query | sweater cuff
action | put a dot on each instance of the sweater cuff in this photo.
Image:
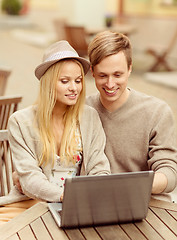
(171, 178)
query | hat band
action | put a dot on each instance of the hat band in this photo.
(61, 55)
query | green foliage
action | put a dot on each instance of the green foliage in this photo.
(11, 7)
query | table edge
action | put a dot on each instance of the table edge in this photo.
(25, 218)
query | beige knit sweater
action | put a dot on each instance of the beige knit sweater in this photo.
(26, 149)
(140, 136)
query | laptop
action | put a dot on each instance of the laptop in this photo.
(105, 199)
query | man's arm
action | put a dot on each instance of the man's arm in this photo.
(163, 150)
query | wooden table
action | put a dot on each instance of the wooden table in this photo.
(37, 223)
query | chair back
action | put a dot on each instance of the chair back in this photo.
(6, 165)
(8, 105)
(76, 36)
(4, 74)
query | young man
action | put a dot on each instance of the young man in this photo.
(140, 129)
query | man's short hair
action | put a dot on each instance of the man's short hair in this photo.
(108, 43)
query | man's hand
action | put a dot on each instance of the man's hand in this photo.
(160, 183)
(16, 181)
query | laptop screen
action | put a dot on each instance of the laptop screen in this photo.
(108, 199)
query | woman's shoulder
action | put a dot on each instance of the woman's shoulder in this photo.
(90, 115)
(23, 120)
(23, 114)
(88, 110)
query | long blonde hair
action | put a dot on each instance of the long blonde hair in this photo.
(45, 105)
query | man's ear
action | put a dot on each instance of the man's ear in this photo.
(130, 69)
(92, 71)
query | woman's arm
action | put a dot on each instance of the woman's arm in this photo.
(25, 146)
(94, 140)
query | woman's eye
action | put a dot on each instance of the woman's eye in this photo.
(78, 80)
(64, 81)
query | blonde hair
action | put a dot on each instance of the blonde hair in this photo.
(45, 105)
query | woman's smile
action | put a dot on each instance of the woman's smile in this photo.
(72, 96)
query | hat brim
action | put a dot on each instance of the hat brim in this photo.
(43, 67)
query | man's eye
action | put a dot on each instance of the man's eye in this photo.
(102, 76)
(117, 75)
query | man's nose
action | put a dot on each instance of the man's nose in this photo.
(110, 82)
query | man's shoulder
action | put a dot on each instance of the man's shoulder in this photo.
(143, 98)
(150, 104)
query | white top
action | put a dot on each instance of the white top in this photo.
(60, 171)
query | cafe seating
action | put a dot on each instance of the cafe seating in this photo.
(161, 58)
(4, 74)
(8, 105)
(6, 165)
(77, 37)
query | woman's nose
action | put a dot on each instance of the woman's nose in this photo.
(72, 86)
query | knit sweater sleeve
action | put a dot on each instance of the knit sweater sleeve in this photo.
(95, 161)
(24, 146)
(162, 145)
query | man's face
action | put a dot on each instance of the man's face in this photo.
(111, 78)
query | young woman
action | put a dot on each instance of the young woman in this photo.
(58, 137)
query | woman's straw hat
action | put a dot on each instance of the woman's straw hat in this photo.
(56, 52)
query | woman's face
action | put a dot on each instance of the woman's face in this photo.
(69, 84)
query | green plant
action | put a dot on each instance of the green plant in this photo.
(11, 7)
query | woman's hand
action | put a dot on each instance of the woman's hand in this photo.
(16, 181)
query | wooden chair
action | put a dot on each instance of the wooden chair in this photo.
(77, 37)
(4, 74)
(8, 105)
(160, 58)
(6, 165)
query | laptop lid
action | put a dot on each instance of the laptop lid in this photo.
(106, 199)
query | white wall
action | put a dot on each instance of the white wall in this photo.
(89, 13)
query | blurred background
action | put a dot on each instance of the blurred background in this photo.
(27, 27)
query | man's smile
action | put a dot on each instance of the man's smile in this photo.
(110, 92)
